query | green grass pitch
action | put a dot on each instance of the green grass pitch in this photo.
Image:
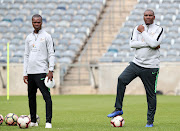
(88, 113)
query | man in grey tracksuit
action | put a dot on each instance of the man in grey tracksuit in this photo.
(39, 60)
(145, 41)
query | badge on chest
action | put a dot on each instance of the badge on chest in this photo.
(34, 48)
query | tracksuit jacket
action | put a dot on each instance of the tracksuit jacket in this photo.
(144, 44)
(39, 48)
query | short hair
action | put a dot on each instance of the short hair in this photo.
(149, 10)
(37, 15)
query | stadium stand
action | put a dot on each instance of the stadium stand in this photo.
(168, 19)
(69, 21)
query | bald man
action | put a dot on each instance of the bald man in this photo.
(145, 41)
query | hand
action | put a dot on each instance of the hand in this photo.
(50, 75)
(157, 47)
(140, 28)
(25, 78)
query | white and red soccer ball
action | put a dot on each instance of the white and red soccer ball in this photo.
(11, 119)
(1, 119)
(117, 121)
(23, 121)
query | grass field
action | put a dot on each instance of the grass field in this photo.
(88, 112)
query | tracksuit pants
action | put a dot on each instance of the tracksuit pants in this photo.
(149, 78)
(36, 81)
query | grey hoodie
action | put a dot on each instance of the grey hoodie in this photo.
(39, 53)
(145, 43)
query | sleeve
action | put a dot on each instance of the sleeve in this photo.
(134, 42)
(155, 40)
(26, 57)
(51, 52)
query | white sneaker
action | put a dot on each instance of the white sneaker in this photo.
(48, 125)
(33, 124)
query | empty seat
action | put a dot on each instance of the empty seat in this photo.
(55, 18)
(117, 42)
(113, 48)
(68, 36)
(64, 41)
(58, 54)
(15, 6)
(75, 48)
(72, 30)
(84, 30)
(76, 24)
(141, 6)
(94, 12)
(91, 18)
(66, 17)
(125, 47)
(64, 23)
(85, 6)
(51, 6)
(69, 53)
(168, 17)
(60, 30)
(55, 36)
(88, 24)
(106, 59)
(81, 36)
(14, 60)
(61, 47)
(172, 53)
(76, 41)
(3, 59)
(82, 12)
(18, 54)
(74, 6)
(31, 1)
(16, 41)
(144, 1)
(71, 12)
(110, 54)
(155, 1)
(62, 6)
(78, 17)
(66, 60)
(98, 6)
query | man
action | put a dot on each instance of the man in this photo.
(146, 41)
(39, 48)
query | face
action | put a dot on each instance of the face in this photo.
(148, 17)
(37, 22)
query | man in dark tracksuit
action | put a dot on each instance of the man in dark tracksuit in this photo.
(146, 41)
(39, 54)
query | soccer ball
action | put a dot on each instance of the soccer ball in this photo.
(49, 83)
(11, 119)
(117, 121)
(37, 118)
(1, 119)
(23, 121)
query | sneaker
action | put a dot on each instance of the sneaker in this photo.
(33, 124)
(116, 112)
(48, 125)
(149, 124)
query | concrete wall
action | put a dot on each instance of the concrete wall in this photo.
(169, 79)
(16, 83)
(106, 79)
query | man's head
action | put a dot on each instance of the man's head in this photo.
(149, 16)
(36, 22)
